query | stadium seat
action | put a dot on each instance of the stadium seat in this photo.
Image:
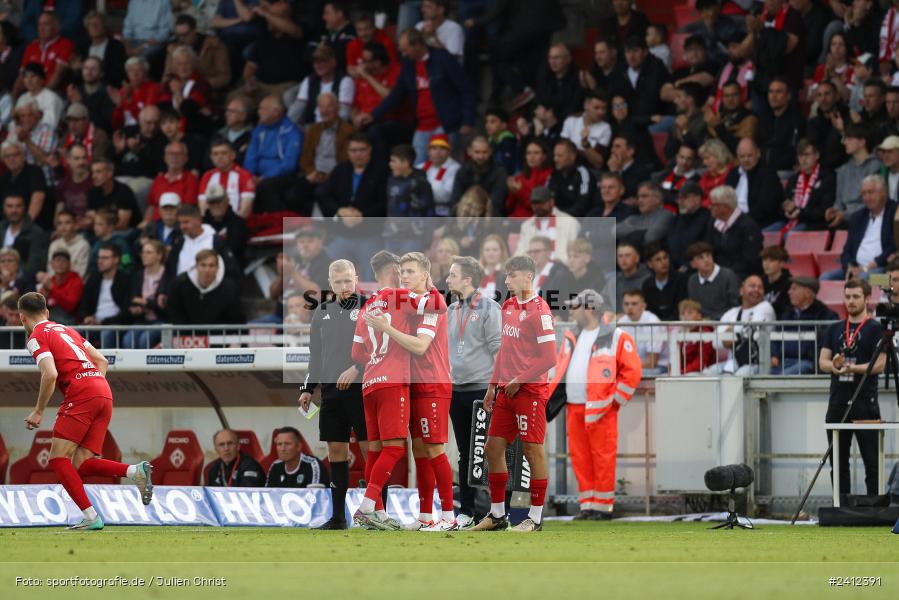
(828, 261)
(249, 444)
(272, 455)
(583, 55)
(839, 240)
(803, 264)
(181, 459)
(812, 242)
(772, 238)
(34, 467)
(831, 292)
(4, 461)
(658, 144)
(684, 14)
(676, 43)
(837, 307)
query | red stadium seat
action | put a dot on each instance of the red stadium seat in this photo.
(831, 292)
(828, 261)
(34, 467)
(684, 14)
(803, 265)
(249, 444)
(839, 240)
(583, 55)
(772, 238)
(181, 459)
(807, 242)
(272, 455)
(837, 307)
(676, 43)
(4, 461)
(658, 144)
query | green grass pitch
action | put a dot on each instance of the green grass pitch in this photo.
(565, 561)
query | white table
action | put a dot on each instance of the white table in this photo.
(882, 428)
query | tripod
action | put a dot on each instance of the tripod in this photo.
(732, 517)
(885, 345)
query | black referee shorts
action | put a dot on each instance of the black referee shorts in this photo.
(339, 414)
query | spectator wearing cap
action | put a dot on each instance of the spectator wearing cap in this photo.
(203, 294)
(147, 28)
(327, 78)
(551, 222)
(195, 237)
(164, 227)
(441, 169)
(212, 55)
(888, 152)
(325, 146)
(228, 225)
(484, 170)
(667, 287)
(136, 93)
(624, 22)
(589, 130)
(558, 82)
(63, 289)
(149, 284)
(435, 84)
(48, 101)
(652, 223)
(689, 225)
(682, 172)
(82, 131)
(110, 194)
(27, 181)
(871, 241)
(38, 137)
(274, 61)
(107, 50)
(67, 238)
(729, 120)
(176, 180)
(274, 154)
(689, 126)
(237, 182)
(780, 127)
(715, 29)
(71, 192)
(734, 235)
(860, 164)
(757, 186)
(535, 173)
(573, 186)
(52, 51)
(502, 141)
(646, 75)
(716, 288)
(799, 357)
(776, 277)
(18, 231)
(810, 192)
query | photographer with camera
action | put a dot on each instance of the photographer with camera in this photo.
(744, 350)
(847, 348)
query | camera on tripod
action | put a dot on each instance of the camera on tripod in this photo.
(887, 309)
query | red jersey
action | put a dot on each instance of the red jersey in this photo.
(133, 101)
(185, 185)
(425, 111)
(527, 347)
(355, 47)
(50, 55)
(367, 98)
(386, 362)
(78, 379)
(431, 371)
(237, 182)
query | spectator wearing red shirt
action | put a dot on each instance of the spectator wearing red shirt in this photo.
(367, 33)
(50, 50)
(695, 356)
(137, 92)
(375, 76)
(63, 289)
(236, 181)
(535, 173)
(176, 179)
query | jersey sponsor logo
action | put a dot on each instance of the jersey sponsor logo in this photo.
(234, 359)
(522, 316)
(374, 380)
(510, 331)
(20, 360)
(88, 374)
(165, 359)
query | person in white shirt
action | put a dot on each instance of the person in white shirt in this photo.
(441, 170)
(744, 350)
(650, 340)
(589, 131)
(67, 238)
(439, 31)
(327, 77)
(48, 101)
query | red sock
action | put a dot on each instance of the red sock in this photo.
(443, 472)
(424, 476)
(380, 472)
(538, 491)
(101, 466)
(68, 477)
(370, 461)
(497, 483)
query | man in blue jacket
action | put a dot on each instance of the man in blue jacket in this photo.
(437, 86)
(274, 154)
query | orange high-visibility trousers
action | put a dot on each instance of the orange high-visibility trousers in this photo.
(593, 448)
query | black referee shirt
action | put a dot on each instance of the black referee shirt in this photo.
(331, 346)
(864, 340)
(308, 471)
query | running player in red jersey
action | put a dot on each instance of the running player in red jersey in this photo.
(431, 393)
(385, 383)
(518, 393)
(68, 361)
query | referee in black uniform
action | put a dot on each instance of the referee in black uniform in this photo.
(331, 366)
(847, 348)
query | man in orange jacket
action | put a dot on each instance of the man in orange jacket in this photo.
(600, 369)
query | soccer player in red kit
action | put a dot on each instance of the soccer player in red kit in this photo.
(431, 394)
(66, 360)
(385, 383)
(518, 393)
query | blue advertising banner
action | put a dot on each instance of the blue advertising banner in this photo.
(121, 505)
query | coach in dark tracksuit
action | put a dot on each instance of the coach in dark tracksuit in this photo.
(331, 367)
(474, 322)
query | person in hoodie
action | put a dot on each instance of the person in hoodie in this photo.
(798, 357)
(203, 295)
(273, 154)
(195, 237)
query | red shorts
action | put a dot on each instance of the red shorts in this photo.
(387, 413)
(430, 416)
(84, 422)
(523, 415)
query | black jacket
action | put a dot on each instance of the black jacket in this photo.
(765, 194)
(777, 138)
(137, 290)
(232, 229)
(218, 304)
(310, 470)
(739, 247)
(827, 138)
(776, 293)
(564, 94)
(491, 177)
(823, 194)
(664, 302)
(369, 198)
(633, 176)
(32, 244)
(686, 229)
(246, 473)
(574, 190)
(643, 100)
(121, 295)
(232, 268)
(331, 346)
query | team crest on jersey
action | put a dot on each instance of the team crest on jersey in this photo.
(354, 314)
(522, 316)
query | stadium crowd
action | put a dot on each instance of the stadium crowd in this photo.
(146, 159)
